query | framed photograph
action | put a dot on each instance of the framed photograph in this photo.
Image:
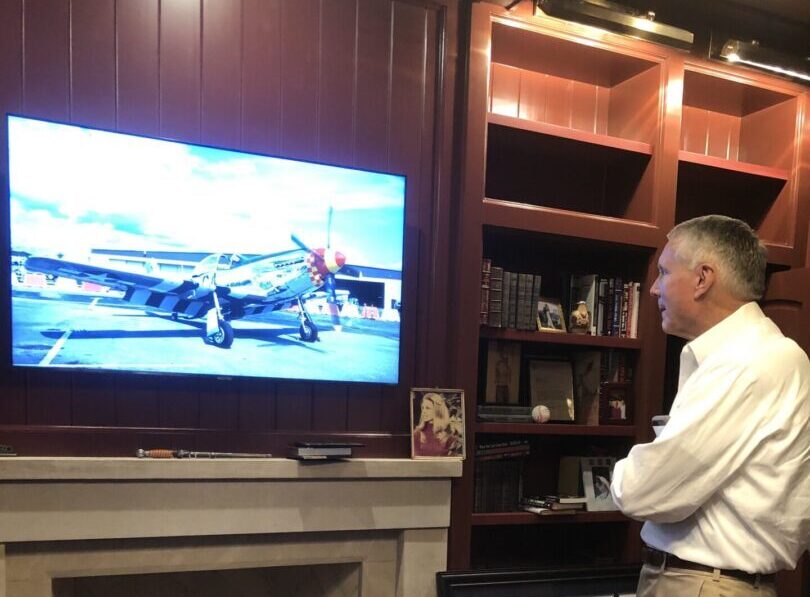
(437, 423)
(503, 372)
(550, 316)
(587, 367)
(615, 404)
(551, 383)
(597, 472)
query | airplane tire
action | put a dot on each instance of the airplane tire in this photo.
(224, 337)
(308, 332)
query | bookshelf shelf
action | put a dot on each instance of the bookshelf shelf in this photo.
(556, 429)
(689, 157)
(523, 518)
(606, 142)
(536, 218)
(552, 338)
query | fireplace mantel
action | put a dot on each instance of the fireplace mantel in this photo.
(114, 516)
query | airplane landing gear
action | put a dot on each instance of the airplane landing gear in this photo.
(218, 331)
(307, 330)
(223, 337)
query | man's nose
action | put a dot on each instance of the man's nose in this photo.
(654, 288)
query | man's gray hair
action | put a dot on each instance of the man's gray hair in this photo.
(731, 245)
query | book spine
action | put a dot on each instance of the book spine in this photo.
(513, 291)
(536, 294)
(496, 297)
(617, 307)
(524, 300)
(636, 294)
(486, 268)
(506, 302)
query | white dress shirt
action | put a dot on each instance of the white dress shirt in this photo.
(727, 481)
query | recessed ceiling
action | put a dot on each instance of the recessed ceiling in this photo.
(794, 10)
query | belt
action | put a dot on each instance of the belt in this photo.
(662, 559)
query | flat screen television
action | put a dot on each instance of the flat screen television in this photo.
(139, 254)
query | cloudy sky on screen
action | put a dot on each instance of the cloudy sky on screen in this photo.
(75, 189)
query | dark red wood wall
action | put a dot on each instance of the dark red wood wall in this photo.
(365, 83)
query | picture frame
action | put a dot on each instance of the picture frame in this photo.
(437, 423)
(550, 316)
(597, 473)
(503, 372)
(551, 384)
(615, 403)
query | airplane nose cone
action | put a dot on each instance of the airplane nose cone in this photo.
(340, 259)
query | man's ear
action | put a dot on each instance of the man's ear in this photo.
(706, 277)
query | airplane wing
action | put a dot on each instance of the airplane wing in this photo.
(107, 276)
(161, 294)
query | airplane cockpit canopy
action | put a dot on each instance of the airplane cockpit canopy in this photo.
(218, 262)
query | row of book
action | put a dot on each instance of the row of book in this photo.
(499, 475)
(508, 299)
(598, 305)
(583, 484)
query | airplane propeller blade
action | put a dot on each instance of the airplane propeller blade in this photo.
(331, 299)
(348, 270)
(300, 243)
(329, 228)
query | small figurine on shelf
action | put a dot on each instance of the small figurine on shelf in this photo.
(580, 319)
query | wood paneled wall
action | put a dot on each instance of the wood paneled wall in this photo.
(364, 83)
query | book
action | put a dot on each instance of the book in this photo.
(496, 297)
(547, 511)
(506, 299)
(550, 504)
(504, 413)
(321, 450)
(525, 309)
(513, 292)
(486, 269)
(502, 447)
(567, 499)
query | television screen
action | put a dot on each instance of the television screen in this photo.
(149, 255)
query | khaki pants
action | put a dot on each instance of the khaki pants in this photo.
(676, 582)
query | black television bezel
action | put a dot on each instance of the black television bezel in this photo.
(539, 582)
(6, 342)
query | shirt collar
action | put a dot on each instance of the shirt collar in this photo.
(728, 330)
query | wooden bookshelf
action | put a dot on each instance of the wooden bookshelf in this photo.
(556, 429)
(733, 165)
(567, 338)
(598, 141)
(536, 218)
(583, 149)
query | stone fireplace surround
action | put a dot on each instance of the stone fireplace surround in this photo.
(369, 527)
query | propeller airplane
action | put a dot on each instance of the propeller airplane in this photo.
(222, 287)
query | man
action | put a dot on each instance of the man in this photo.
(725, 488)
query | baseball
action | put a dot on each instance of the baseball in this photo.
(541, 413)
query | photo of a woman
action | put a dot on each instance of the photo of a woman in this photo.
(437, 422)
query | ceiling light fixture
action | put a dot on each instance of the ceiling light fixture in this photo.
(616, 17)
(750, 53)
